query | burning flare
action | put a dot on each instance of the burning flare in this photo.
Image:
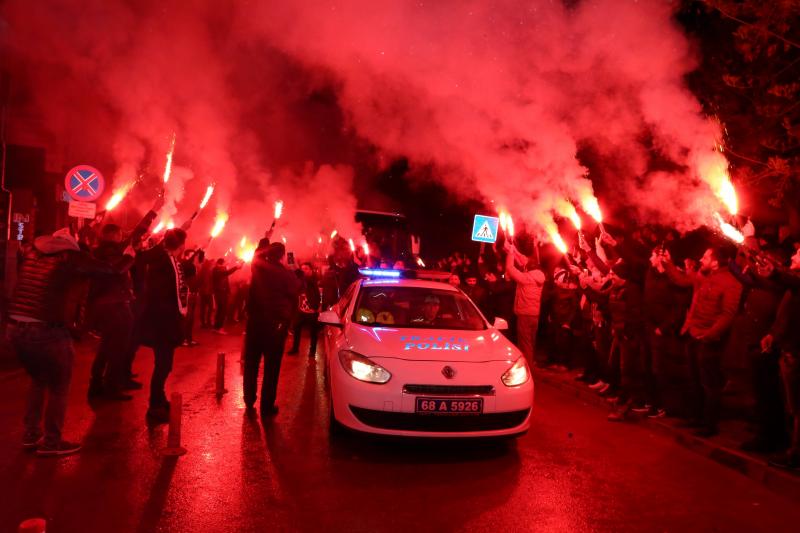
(365, 247)
(713, 169)
(352, 245)
(207, 197)
(567, 210)
(555, 237)
(170, 225)
(510, 226)
(278, 209)
(246, 252)
(333, 234)
(420, 262)
(159, 227)
(119, 195)
(592, 208)
(728, 230)
(168, 166)
(219, 224)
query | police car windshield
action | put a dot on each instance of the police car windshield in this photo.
(416, 307)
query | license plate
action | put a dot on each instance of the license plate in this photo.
(450, 406)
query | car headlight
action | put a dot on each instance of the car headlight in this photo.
(517, 374)
(362, 368)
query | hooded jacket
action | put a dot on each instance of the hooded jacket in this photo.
(49, 270)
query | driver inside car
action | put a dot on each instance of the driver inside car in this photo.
(430, 311)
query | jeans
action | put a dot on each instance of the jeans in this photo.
(661, 354)
(769, 407)
(206, 310)
(626, 353)
(188, 321)
(263, 340)
(707, 379)
(527, 327)
(46, 353)
(163, 366)
(115, 323)
(790, 376)
(221, 299)
(304, 320)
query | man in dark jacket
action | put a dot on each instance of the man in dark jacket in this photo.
(664, 308)
(625, 311)
(762, 297)
(110, 301)
(38, 314)
(341, 273)
(270, 306)
(166, 299)
(715, 301)
(222, 292)
(308, 311)
(191, 260)
(785, 337)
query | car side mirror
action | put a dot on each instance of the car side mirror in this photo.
(499, 323)
(330, 318)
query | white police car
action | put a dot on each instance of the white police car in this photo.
(414, 357)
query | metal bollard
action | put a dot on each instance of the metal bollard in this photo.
(33, 525)
(221, 374)
(174, 448)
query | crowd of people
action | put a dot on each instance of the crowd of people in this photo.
(657, 323)
(653, 320)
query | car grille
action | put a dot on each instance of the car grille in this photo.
(485, 390)
(443, 423)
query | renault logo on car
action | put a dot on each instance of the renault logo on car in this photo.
(449, 372)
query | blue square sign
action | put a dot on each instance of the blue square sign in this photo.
(484, 229)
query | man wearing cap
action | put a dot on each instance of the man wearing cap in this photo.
(270, 305)
(38, 315)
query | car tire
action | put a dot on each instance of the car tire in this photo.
(335, 429)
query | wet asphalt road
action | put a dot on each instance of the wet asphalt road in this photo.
(572, 472)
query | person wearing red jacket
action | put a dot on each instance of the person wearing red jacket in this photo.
(715, 302)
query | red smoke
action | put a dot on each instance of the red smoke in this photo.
(498, 96)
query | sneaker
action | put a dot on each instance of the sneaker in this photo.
(117, 396)
(656, 413)
(787, 461)
(642, 409)
(220, 331)
(185, 344)
(132, 384)
(597, 385)
(706, 433)
(30, 443)
(271, 410)
(95, 390)
(62, 448)
(608, 391)
(619, 415)
(193, 343)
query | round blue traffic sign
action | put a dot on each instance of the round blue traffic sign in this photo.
(84, 183)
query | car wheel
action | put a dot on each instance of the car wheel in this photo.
(335, 429)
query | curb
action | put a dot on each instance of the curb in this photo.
(757, 469)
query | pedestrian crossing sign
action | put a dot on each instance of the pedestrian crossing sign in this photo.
(484, 229)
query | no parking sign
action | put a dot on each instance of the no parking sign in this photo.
(84, 183)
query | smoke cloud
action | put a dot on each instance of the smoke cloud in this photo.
(498, 97)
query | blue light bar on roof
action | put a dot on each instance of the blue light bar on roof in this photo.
(380, 273)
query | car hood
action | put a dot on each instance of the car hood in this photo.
(431, 344)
